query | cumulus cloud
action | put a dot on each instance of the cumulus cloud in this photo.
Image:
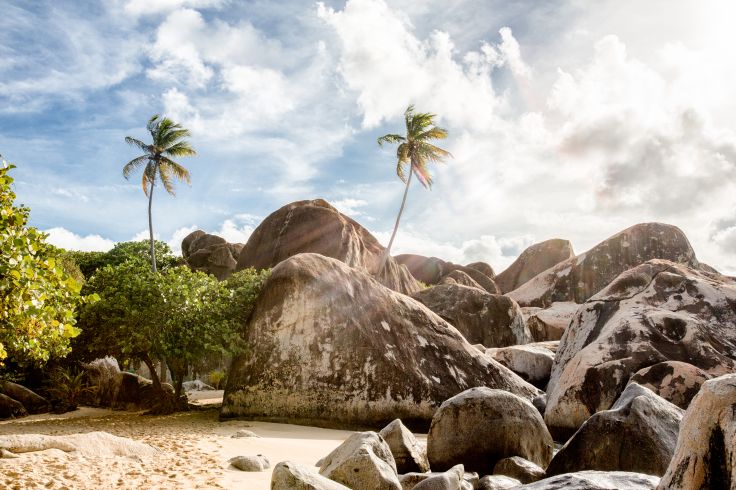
(63, 238)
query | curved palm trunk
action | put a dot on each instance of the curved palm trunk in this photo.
(387, 251)
(150, 227)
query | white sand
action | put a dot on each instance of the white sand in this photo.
(194, 450)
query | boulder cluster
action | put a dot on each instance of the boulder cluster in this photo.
(613, 368)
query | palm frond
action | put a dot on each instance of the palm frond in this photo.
(180, 149)
(433, 153)
(432, 133)
(146, 180)
(165, 174)
(133, 165)
(422, 173)
(175, 169)
(138, 143)
(390, 138)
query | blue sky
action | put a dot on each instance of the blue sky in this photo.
(567, 118)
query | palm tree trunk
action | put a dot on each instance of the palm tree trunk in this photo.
(387, 251)
(150, 227)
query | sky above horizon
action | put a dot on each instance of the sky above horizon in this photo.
(567, 118)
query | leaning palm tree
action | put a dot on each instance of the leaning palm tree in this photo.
(416, 151)
(167, 142)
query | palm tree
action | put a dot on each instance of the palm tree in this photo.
(416, 151)
(167, 142)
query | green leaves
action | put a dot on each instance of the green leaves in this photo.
(37, 296)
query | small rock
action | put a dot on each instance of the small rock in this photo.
(241, 434)
(10, 408)
(408, 453)
(449, 480)
(519, 468)
(497, 482)
(5, 454)
(288, 475)
(250, 463)
(363, 462)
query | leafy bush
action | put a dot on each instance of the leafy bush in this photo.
(66, 387)
(216, 378)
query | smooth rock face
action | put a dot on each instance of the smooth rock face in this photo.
(532, 362)
(337, 348)
(288, 475)
(497, 482)
(638, 434)
(363, 462)
(317, 227)
(675, 381)
(408, 453)
(431, 271)
(595, 480)
(250, 463)
(483, 318)
(11, 408)
(549, 323)
(532, 261)
(520, 469)
(210, 253)
(705, 456)
(97, 444)
(32, 402)
(449, 480)
(659, 311)
(484, 268)
(579, 278)
(460, 278)
(480, 426)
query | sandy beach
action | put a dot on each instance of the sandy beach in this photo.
(194, 449)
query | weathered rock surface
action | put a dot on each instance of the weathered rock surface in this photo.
(460, 278)
(250, 463)
(10, 407)
(595, 480)
(497, 482)
(408, 453)
(288, 475)
(549, 323)
(451, 479)
(705, 456)
(100, 444)
(483, 318)
(659, 311)
(32, 402)
(337, 348)
(520, 469)
(532, 261)
(244, 434)
(675, 381)
(533, 362)
(196, 385)
(210, 253)
(363, 462)
(317, 227)
(579, 278)
(480, 426)
(637, 434)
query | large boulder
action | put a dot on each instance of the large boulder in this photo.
(460, 278)
(638, 434)
(656, 312)
(11, 408)
(288, 475)
(317, 227)
(363, 462)
(549, 323)
(431, 271)
(533, 362)
(484, 268)
(675, 381)
(337, 348)
(409, 454)
(481, 426)
(520, 469)
(595, 480)
(483, 318)
(705, 456)
(532, 261)
(210, 253)
(32, 402)
(578, 278)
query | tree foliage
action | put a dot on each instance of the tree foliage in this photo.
(90, 262)
(37, 298)
(178, 314)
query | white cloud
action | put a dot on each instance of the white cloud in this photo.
(63, 238)
(148, 7)
(350, 206)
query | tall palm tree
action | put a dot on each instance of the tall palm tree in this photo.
(167, 142)
(416, 151)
